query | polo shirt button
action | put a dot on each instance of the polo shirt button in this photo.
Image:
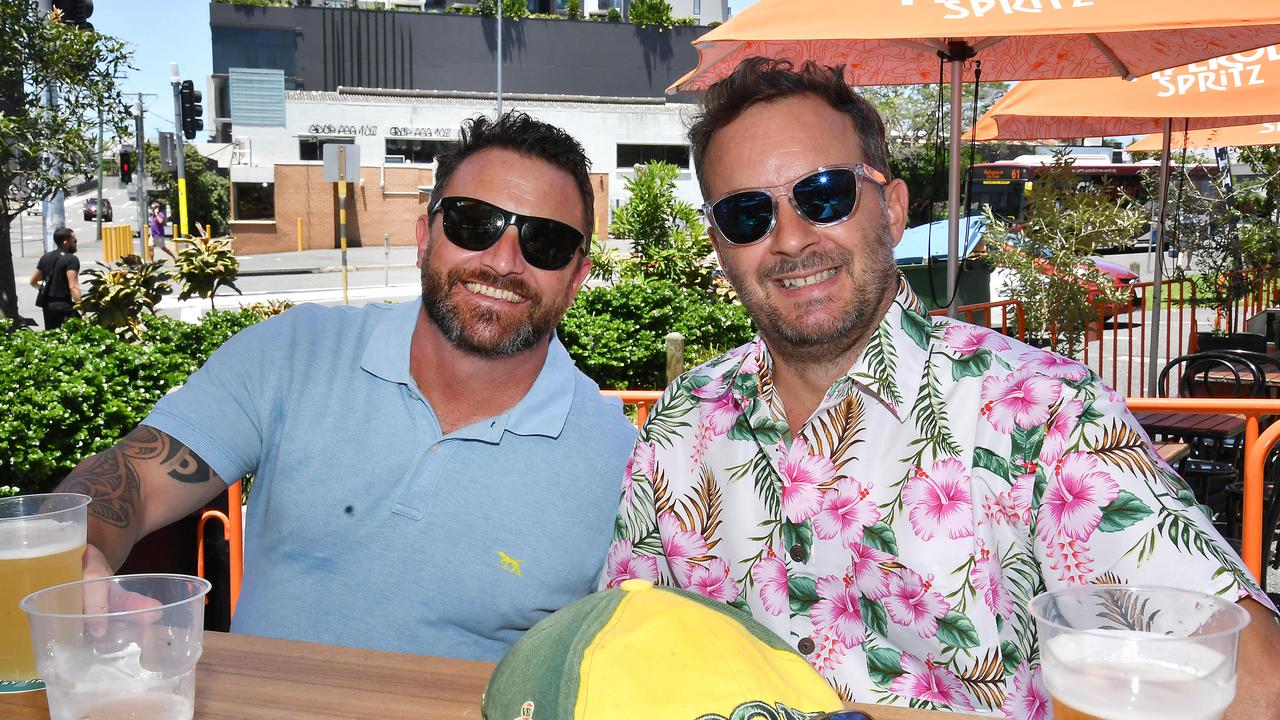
(805, 646)
(797, 553)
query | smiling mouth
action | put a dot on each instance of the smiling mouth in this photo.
(493, 292)
(796, 283)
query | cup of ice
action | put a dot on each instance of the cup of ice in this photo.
(119, 647)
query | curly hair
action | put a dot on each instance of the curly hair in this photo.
(759, 79)
(520, 133)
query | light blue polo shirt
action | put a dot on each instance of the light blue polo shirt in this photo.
(366, 526)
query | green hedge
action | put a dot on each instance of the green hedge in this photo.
(617, 334)
(68, 393)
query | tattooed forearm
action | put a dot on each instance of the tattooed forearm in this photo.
(113, 477)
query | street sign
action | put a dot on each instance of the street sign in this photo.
(168, 151)
(332, 171)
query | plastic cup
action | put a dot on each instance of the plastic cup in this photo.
(119, 647)
(1120, 652)
(42, 541)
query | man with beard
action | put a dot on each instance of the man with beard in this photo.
(431, 477)
(884, 489)
(59, 270)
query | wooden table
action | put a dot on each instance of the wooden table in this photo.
(241, 677)
(1191, 425)
(1172, 452)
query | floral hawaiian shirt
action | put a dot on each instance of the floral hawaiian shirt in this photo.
(951, 475)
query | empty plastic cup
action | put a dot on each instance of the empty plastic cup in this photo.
(119, 647)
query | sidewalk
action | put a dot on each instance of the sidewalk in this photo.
(282, 264)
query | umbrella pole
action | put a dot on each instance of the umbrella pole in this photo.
(953, 188)
(1153, 358)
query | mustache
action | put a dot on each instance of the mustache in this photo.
(812, 261)
(457, 276)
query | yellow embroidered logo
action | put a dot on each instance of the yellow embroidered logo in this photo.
(512, 566)
(526, 711)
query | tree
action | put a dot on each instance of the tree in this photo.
(651, 12)
(39, 53)
(668, 240)
(208, 192)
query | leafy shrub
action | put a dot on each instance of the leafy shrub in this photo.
(685, 21)
(667, 236)
(614, 15)
(119, 293)
(511, 9)
(206, 265)
(617, 334)
(573, 10)
(68, 393)
(656, 13)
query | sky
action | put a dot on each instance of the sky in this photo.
(160, 32)
(736, 6)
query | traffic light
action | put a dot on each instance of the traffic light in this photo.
(126, 166)
(192, 111)
(76, 12)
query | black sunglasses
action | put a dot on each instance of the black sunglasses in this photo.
(476, 225)
(825, 197)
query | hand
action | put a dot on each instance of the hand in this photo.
(99, 597)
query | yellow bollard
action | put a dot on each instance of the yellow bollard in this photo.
(299, 234)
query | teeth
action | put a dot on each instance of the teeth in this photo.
(493, 292)
(793, 283)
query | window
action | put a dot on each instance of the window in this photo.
(697, 7)
(312, 148)
(255, 201)
(417, 151)
(629, 155)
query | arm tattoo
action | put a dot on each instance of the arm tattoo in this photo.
(112, 479)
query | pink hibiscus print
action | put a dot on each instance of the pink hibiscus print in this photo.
(939, 500)
(838, 611)
(1012, 507)
(846, 510)
(969, 339)
(1053, 365)
(1027, 699)
(802, 474)
(642, 462)
(770, 574)
(714, 581)
(1021, 398)
(680, 546)
(1058, 431)
(868, 573)
(925, 680)
(1071, 558)
(1073, 502)
(623, 563)
(988, 579)
(913, 603)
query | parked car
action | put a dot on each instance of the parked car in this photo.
(91, 209)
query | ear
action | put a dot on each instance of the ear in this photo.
(580, 276)
(422, 231)
(897, 201)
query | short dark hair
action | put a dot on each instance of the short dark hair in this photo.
(759, 79)
(516, 131)
(62, 235)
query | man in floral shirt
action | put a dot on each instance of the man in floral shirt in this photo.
(885, 489)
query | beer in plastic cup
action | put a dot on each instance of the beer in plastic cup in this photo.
(42, 540)
(1120, 652)
(119, 647)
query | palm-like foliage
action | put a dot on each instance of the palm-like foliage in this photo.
(118, 294)
(205, 266)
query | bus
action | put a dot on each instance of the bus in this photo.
(1005, 186)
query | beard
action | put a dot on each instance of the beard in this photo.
(828, 328)
(483, 330)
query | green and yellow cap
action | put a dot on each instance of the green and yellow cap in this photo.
(658, 653)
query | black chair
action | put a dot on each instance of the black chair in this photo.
(1214, 464)
(1270, 515)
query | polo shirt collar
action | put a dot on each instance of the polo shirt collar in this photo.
(542, 411)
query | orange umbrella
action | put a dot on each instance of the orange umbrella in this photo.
(1228, 90)
(1267, 133)
(901, 42)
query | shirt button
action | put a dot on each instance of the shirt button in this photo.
(805, 646)
(435, 449)
(797, 553)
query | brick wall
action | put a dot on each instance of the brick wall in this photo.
(372, 209)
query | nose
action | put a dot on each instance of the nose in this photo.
(792, 235)
(505, 257)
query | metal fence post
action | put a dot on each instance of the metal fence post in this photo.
(386, 261)
(675, 355)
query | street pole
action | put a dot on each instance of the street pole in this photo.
(140, 163)
(176, 80)
(53, 213)
(499, 58)
(98, 214)
(342, 215)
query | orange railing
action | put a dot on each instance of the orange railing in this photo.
(1256, 447)
(983, 314)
